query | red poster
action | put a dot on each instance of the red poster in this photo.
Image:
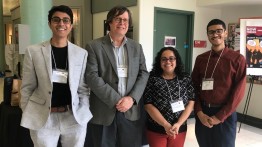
(200, 43)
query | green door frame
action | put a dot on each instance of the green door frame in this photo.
(190, 33)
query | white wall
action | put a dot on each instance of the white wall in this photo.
(143, 16)
(85, 15)
(202, 17)
(98, 25)
(225, 2)
(232, 15)
(146, 23)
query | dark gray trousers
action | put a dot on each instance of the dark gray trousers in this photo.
(121, 133)
(221, 135)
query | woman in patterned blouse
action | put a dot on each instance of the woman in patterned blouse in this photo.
(169, 100)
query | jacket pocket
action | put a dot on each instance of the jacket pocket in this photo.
(38, 100)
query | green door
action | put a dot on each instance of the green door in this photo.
(178, 24)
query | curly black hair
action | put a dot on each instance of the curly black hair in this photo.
(157, 70)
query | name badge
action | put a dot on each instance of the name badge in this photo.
(177, 106)
(122, 72)
(208, 84)
(60, 76)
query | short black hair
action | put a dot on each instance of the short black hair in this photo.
(116, 11)
(61, 8)
(216, 22)
(157, 70)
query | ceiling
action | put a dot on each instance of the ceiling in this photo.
(228, 3)
(9, 4)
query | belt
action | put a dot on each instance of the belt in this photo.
(64, 108)
(210, 105)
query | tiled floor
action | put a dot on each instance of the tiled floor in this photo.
(248, 137)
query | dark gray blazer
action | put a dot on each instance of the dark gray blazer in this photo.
(101, 76)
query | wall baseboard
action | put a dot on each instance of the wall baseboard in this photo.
(249, 120)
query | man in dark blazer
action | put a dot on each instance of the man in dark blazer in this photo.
(54, 95)
(117, 75)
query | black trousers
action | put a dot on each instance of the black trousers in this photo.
(121, 133)
(221, 135)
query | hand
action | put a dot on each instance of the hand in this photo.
(205, 119)
(124, 104)
(214, 120)
(175, 128)
(169, 130)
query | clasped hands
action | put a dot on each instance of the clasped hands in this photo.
(124, 104)
(207, 120)
(172, 131)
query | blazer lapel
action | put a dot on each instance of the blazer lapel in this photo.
(46, 50)
(130, 51)
(72, 57)
(107, 46)
(74, 62)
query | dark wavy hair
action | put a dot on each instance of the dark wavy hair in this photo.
(216, 22)
(157, 70)
(116, 11)
(61, 8)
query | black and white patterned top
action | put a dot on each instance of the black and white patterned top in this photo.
(157, 93)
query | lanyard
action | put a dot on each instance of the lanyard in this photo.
(215, 65)
(169, 89)
(55, 62)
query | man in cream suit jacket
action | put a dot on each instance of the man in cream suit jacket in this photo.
(55, 98)
(117, 75)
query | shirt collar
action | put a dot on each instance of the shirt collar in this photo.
(213, 53)
(112, 41)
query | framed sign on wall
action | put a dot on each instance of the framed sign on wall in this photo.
(233, 40)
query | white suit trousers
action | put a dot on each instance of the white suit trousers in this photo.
(63, 125)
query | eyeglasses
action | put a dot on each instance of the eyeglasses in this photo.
(213, 32)
(171, 59)
(57, 20)
(118, 20)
